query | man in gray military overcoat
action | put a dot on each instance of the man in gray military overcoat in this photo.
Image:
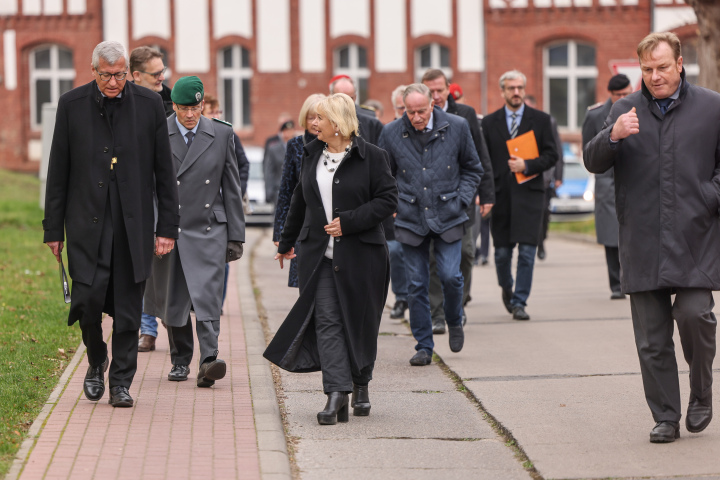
(211, 233)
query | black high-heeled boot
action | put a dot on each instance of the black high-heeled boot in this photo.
(360, 400)
(336, 409)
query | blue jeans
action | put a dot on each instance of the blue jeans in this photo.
(398, 275)
(417, 262)
(148, 325)
(525, 264)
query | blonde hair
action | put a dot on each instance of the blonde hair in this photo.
(652, 41)
(308, 107)
(340, 110)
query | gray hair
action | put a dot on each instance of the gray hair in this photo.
(419, 88)
(512, 75)
(398, 92)
(110, 51)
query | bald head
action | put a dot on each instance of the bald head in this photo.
(344, 86)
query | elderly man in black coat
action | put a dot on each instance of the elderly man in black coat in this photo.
(439, 87)
(606, 224)
(663, 143)
(518, 210)
(110, 152)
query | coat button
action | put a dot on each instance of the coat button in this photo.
(444, 197)
(337, 210)
(337, 268)
(100, 184)
(207, 205)
(448, 167)
(337, 239)
(95, 219)
(208, 229)
(337, 180)
(179, 230)
(424, 188)
(426, 208)
(178, 182)
(106, 149)
(207, 181)
(424, 168)
(179, 206)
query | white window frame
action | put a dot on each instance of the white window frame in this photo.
(237, 74)
(572, 72)
(435, 56)
(54, 74)
(354, 71)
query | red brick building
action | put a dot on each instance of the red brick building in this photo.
(263, 57)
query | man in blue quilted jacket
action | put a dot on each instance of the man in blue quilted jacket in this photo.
(437, 169)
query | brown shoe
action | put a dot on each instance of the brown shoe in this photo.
(146, 343)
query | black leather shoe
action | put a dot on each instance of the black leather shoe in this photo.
(360, 402)
(541, 252)
(699, 414)
(179, 373)
(398, 310)
(336, 409)
(519, 313)
(506, 297)
(457, 338)
(94, 384)
(211, 371)
(421, 358)
(617, 296)
(665, 432)
(438, 325)
(120, 397)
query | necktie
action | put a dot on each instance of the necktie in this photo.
(189, 136)
(513, 126)
(664, 104)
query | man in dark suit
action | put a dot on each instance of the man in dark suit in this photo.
(439, 87)
(110, 152)
(606, 224)
(518, 210)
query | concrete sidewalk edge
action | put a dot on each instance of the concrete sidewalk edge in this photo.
(271, 442)
(35, 430)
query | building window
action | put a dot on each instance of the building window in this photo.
(570, 78)
(433, 55)
(351, 60)
(234, 74)
(690, 60)
(52, 73)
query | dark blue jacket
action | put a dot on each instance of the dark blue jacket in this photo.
(436, 187)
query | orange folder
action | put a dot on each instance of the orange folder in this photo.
(525, 147)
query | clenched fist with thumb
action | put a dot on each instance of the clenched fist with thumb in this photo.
(627, 124)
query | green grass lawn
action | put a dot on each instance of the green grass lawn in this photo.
(584, 226)
(35, 342)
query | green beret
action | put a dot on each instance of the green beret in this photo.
(187, 91)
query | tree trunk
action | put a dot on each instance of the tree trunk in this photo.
(708, 18)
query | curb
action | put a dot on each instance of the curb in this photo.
(272, 446)
(36, 428)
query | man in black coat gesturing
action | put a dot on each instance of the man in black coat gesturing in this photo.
(518, 210)
(110, 152)
(663, 144)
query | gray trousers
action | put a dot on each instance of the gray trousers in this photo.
(437, 311)
(331, 337)
(181, 341)
(652, 315)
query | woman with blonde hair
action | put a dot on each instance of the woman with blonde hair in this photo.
(291, 172)
(344, 193)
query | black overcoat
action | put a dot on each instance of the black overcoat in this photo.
(364, 193)
(518, 209)
(78, 177)
(667, 189)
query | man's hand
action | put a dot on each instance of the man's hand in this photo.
(558, 183)
(234, 251)
(516, 164)
(285, 256)
(333, 228)
(56, 249)
(627, 124)
(485, 209)
(163, 245)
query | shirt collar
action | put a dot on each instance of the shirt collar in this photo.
(519, 113)
(119, 95)
(184, 130)
(445, 107)
(675, 95)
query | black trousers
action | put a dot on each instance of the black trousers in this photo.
(612, 257)
(181, 341)
(652, 314)
(337, 372)
(114, 291)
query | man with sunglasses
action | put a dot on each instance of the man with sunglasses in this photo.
(148, 70)
(110, 156)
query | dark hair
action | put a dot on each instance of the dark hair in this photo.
(433, 74)
(141, 55)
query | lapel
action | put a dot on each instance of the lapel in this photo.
(527, 121)
(177, 144)
(202, 140)
(501, 125)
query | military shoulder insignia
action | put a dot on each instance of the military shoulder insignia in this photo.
(368, 107)
(223, 121)
(597, 105)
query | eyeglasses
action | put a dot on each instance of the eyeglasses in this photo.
(105, 77)
(156, 75)
(194, 109)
